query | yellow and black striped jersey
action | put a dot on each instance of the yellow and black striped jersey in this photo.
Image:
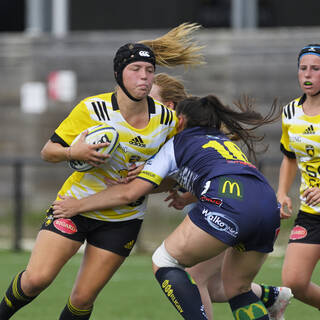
(301, 140)
(136, 146)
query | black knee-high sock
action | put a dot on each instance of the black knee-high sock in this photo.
(269, 295)
(70, 312)
(14, 299)
(247, 306)
(182, 292)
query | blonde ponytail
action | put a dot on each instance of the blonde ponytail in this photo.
(177, 47)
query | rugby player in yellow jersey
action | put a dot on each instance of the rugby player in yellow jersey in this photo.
(300, 144)
(143, 126)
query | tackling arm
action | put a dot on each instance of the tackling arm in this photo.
(113, 196)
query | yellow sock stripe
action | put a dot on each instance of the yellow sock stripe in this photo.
(190, 278)
(8, 302)
(266, 294)
(15, 291)
(76, 311)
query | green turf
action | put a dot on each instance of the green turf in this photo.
(131, 295)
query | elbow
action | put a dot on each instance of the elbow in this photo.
(129, 198)
(130, 195)
(43, 155)
(48, 153)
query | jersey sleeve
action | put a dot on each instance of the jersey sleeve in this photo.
(77, 121)
(284, 141)
(161, 165)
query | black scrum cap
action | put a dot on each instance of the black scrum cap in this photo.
(127, 54)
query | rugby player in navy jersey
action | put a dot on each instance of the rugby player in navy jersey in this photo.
(237, 211)
(169, 90)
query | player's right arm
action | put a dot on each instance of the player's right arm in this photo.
(288, 170)
(56, 152)
(58, 148)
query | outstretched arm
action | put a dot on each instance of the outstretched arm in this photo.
(113, 196)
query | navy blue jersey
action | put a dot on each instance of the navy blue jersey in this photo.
(236, 204)
(195, 156)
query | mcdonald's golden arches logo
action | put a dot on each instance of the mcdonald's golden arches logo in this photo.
(230, 188)
(250, 312)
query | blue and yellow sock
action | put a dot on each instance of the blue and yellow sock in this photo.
(269, 295)
(182, 292)
(247, 306)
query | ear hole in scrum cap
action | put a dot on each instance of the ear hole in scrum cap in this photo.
(127, 54)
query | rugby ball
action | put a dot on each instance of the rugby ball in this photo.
(97, 134)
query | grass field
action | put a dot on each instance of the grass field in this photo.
(132, 294)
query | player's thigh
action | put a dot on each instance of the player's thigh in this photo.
(51, 251)
(190, 245)
(207, 270)
(300, 261)
(97, 268)
(239, 270)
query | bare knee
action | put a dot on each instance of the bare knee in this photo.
(82, 299)
(33, 283)
(297, 284)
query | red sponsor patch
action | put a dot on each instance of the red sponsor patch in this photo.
(298, 232)
(65, 226)
(276, 234)
(216, 201)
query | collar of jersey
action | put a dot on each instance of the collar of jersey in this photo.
(151, 105)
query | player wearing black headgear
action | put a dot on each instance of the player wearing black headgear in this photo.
(143, 126)
(129, 53)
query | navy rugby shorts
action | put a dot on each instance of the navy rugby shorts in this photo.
(240, 210)
(118, 237)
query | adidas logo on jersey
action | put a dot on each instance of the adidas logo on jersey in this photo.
(137, 141)
(309, 130)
